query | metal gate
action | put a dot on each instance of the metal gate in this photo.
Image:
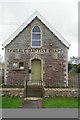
(34, 88)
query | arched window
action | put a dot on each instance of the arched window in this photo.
(36, 36)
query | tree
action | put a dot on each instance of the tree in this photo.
(69, 66)
(78, 68)
(74, 64)
(74, 60)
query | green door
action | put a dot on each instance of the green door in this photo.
(35, 70)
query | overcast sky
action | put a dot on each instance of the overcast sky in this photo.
(61, 14)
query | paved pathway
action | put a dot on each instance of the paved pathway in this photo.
(32, 103)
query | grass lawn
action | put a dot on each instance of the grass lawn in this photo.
(10, 102)
(60, 103)
(16, 102)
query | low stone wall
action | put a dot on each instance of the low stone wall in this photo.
(60, 92)
(48, 92)
(12, 92)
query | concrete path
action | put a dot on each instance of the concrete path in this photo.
(32, 103)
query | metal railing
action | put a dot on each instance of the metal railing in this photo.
(34, 82)
(34, 88)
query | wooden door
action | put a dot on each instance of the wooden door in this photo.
(35, 69)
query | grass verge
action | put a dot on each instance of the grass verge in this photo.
(61, 103)
(10, 102)
(16, 102)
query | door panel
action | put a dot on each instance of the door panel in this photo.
(35, 70)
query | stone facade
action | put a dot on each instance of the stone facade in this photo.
(53, 55)
(1, 73)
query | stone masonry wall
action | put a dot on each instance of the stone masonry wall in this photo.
(48, 92)
(54, 71)
(59, 92)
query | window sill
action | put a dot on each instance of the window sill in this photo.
(17, 69)
(36, 46)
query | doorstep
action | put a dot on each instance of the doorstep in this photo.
(33, 98)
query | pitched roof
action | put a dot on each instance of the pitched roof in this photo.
(38, 15)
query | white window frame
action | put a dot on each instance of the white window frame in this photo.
(17, 67)
(36, 33)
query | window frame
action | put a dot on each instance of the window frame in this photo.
(18, 64)
(40, 40)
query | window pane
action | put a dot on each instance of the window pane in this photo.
(15, 65)
(36, 29)
(20, 64)
(35, 43)
(36, 36)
